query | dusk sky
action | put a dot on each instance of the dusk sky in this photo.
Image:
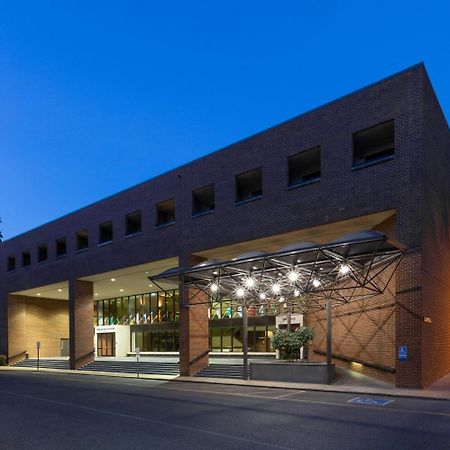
(98, 96)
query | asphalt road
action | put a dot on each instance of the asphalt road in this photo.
(59, 411)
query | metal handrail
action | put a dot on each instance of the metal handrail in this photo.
(359, 361)
(192, 361)
(80, 358)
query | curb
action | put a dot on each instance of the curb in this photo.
(357, 390)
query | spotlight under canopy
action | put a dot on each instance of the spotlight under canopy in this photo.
(306, 275)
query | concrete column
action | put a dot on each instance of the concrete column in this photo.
(194, 327)
(81, 326)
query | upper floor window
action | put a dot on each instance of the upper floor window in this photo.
(11, 263)
(374, 144)
(133, 223)
(105, 232)
(304, 167)
(165, 212)
(203, 200)
(61, 247)
(42, 253)
(82, 240)
(26, 259)
(249, 185)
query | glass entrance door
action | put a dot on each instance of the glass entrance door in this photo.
(106, 344)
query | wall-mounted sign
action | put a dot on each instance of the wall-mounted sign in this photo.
(107, 329)
(402, 353)
(38, 345)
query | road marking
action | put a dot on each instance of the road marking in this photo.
(290, 393)
(143, 419)
(377, 401)
(319, 402)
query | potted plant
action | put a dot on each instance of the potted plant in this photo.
(289, 343)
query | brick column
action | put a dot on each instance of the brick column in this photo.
(409, 321)
(81, 327)
(4, 323)
(194, 328)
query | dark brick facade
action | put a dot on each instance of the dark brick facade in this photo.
(413, 184)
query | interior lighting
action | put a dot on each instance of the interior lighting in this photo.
(214, 287)
(240, 292)
(96, 294)
(215, 272)
(113, 279)
(344, 269)
(316, 282)
(38, 293)
(262, 296)
(296, 293)
(150, 285)
(59, 290)
(121, 290)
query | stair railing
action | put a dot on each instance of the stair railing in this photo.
(19, 357)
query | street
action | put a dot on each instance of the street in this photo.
(60, 411)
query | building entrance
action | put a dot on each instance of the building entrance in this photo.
(106, 344)
(65, 349)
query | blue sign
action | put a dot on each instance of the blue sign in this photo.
(402, 353)
(373, 401)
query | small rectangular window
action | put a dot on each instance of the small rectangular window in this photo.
(105, 232)
(249, 185)
(203, 200)
(82, 239)
(374, 144)
(304, 167)
(61, 247)
(42, 253)
(133, 223)
(165, 212)
(26, 259)
(11, 263)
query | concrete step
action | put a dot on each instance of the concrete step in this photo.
(235, 371)
(45, 363)
(150, 368)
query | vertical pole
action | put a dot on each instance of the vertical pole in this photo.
(288, 320)
(329, 341)
(245, 340)
(38, 354)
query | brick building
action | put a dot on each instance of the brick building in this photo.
(376, 159)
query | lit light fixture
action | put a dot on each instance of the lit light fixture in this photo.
(38, 294)
(276, 289)
(344, 269)
(214, 287)
(250, 282)
(96, 294)
(146, 273)
(262, 296)
(293, 276)
(150, 285)
(316, 282)
(59, 290)
(296, 293)
(254, 268)
(215, 272)
(113, 279)
(121, 290)
(240, 292)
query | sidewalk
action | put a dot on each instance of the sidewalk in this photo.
(438, 391)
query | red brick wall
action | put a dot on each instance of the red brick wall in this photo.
(37, 319)
(81, 313)
(435, 267)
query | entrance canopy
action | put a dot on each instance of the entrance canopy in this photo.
(301, 277)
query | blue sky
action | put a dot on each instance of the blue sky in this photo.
(98, 96)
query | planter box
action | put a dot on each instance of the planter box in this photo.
(294, 372)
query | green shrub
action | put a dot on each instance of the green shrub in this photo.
(3, 360)
(289, 343)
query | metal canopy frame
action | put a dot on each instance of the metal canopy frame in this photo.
(309, 278)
